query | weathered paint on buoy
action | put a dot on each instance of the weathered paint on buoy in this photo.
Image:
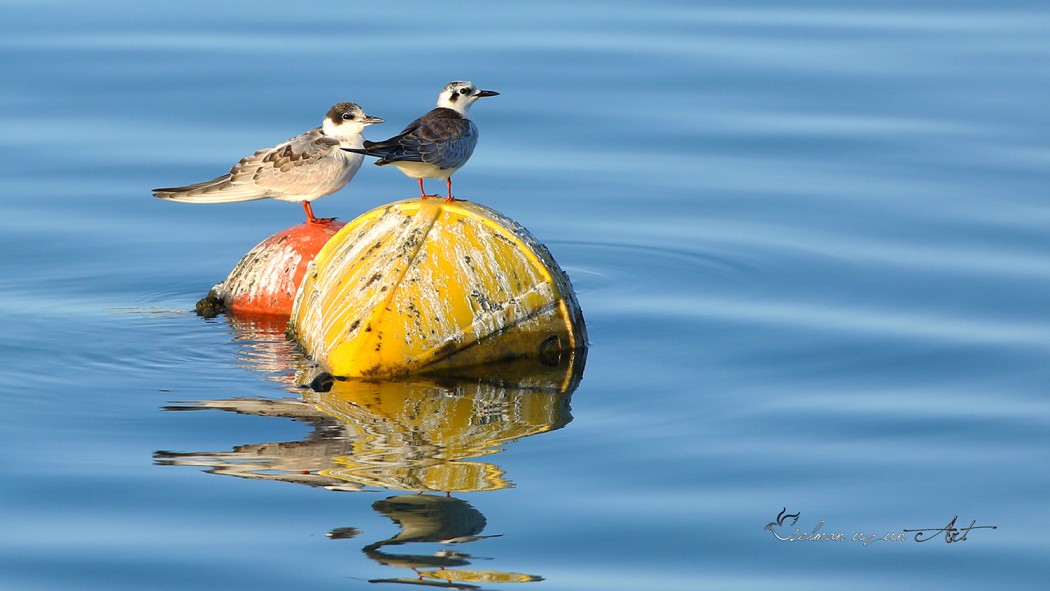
(266, 279)
(424, 286)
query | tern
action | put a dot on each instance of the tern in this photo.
(304, 168)
(438, 143)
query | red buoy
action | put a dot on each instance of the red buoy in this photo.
(266, 280)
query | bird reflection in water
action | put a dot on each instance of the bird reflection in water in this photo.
(436, 519)
(422, 435)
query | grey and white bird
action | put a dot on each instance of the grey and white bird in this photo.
(438, 143)
(304, 168)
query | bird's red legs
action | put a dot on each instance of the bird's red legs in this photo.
(310, 219)
(450, 198)
(448, 183)
(422, 193)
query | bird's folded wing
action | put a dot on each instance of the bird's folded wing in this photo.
(445, 140)
(447, 143)
(293, 167)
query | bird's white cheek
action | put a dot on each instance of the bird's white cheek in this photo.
(343, 131)
(330, 128)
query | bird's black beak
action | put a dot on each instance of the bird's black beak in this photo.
(484, 93)
(370, 120)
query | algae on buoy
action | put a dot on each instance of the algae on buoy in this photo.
(425, 286)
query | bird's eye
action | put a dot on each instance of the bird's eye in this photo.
(348, 116)
(464, 91)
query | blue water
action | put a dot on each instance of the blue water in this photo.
(811, 241)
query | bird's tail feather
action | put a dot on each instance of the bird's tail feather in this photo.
(217, 190)
(386, 153)
(377, 149)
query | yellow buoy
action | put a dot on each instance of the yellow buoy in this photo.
(425, 286)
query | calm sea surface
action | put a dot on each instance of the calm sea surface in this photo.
(811, 241)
